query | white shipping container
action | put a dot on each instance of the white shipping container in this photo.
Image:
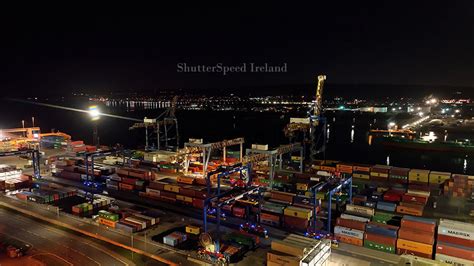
(453, 260)
(151, 219)
(360, 209)
(170, 240)
(418, 192)
(349, 232)
(153, 191)
(131, 219)
(260, 147)
(456, 224)
(354, 217)
(456, 232)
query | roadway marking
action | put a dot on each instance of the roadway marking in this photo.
(54, 255)
(64, 246)
(86, 242)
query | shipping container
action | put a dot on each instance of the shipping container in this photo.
(382, 229)
(270, 219)
(128, 228)
(351, 224)
(280, 258)
(418, 176)
(365, 211)
(454, 240)
(414, 225)
(408, 197)
(416, 235)
(298, 212)
(349, 232)
(455, 251)
(386, 206)
(380, 247)
(414, 246)
(282, 196)
(399, 175)
(355, 217)
(438, 177)
(295, 223)
(349, 240)
(344, 168)
(273, 207)
(411, 210)
(453, 260)
(402, 251)
(389, 241)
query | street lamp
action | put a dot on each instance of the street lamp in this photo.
(94, 113)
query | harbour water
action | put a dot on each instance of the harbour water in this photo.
(347, 138)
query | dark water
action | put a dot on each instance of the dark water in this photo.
(348, 132)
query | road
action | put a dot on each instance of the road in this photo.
(68, 247)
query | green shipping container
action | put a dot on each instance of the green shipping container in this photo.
(379, 247)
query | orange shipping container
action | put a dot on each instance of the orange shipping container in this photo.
(124, 186)
(107, 222)
(185, 180)
(414, 246)
(349, 240)
(410, 210)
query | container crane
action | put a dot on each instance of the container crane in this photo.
(206, 149)
(310, 124)
(35, 157)
(167, 123)
(273, 157)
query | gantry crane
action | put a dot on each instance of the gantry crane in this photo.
(274, 157)
(309, 125)
(191, 148)
(35, 157)
(162, 127)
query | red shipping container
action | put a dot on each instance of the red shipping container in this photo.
(295, 223)
(167, 194)
(392, 196)
(430, 228)
(157, 185)
(187, 191)
(271, 219)
(416, 235)
(415, 198)
(128, 180)
(351, 224)
(124, 186)
(456, 241)
(202, 194)
(401, 251)
(238, 212)
(385, 240)
(455, 251)
(198, 203)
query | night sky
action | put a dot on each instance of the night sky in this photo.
(404, 42)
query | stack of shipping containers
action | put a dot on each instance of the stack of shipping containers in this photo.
(416, 236)
(382, 237)
(351, 225)
(459, 186)
(455, 242)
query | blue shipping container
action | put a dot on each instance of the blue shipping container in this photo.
(420, 219)
(386, 206)
(374, 229)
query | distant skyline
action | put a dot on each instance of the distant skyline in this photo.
(422, 43)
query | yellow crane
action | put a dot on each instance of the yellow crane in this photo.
(309, 124)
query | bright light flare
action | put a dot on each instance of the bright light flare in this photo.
(94, 112)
